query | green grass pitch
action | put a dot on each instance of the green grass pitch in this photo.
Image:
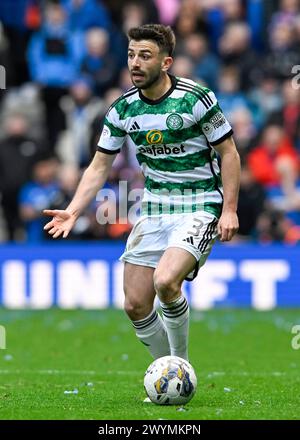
(244, 361)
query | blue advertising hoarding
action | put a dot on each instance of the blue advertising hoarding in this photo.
(89, 275)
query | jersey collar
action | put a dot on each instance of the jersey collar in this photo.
(159, 100)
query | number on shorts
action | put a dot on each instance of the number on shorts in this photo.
(196, 227)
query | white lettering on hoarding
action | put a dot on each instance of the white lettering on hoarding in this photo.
(83, 285)
(41, 284)
(118, 295)
(40, 281)
(14, 284)
(211, 283)
(74, 283)
(264, 275)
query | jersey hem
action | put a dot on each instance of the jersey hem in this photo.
(137, 262)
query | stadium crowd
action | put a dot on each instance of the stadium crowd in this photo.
(65, 63)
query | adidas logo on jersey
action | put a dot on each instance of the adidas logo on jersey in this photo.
(135, 126)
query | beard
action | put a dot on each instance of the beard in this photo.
(146, 83)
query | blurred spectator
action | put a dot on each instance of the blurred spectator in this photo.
(284, 47)
(190, 20)
(99, 63)
(235, 50)
(233, 10)
(86, 14)
(68, 178)
(297, 27)
(266, 96)
(117, 9)
(286, 202)
(206, 64)
(124, 81)
(26, 100)
(219, 14)
(289, 116)
(54, 56)
(167, 10)
(287, 9)
(80, 108)
(17, 155)
(183, 67)
(274, 161)
(244, 130)
(5, 61)
(230, 96)
(19, 18)
(256, 17)
(136, 13)
(292, 235)
(39, 194)
(272, 226)
(250, 204)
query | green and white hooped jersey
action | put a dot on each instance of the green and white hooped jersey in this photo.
(174, 138)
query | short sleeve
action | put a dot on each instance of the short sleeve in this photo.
(211, 119)
(112, 136)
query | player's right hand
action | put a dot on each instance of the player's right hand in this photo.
(62, 222)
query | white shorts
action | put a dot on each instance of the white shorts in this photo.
(151, 236)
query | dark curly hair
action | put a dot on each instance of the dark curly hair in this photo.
(162, 35)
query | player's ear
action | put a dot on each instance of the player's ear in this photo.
(166, 64)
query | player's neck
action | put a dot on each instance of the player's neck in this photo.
(159, 89)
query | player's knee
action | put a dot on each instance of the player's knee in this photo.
(136, 309)
(167, 289)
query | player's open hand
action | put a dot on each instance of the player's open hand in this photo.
(62, 222)
(228, 226)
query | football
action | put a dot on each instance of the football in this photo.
(170, 380)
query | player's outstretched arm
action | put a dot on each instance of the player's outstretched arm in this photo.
(230, 169)
(91, 182)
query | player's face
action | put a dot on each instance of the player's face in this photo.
(146, 63)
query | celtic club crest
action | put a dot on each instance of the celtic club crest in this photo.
(174, 121)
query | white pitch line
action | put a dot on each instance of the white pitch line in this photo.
(138, 373)
(246, 373)
(65, 372)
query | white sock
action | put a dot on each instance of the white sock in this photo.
(176, 319)
(152, 332)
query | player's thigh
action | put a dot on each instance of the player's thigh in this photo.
(195, 233)
(173, 267)
(138, 285)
